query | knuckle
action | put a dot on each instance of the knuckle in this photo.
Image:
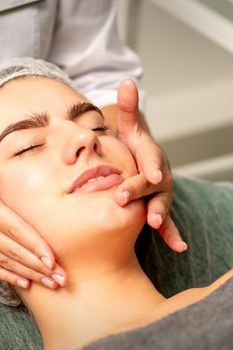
(5, 263)
(13, 253)
(2, 259)
(144, 183)
(12, 232)
(148, 187)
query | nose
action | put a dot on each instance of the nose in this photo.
(80, 142)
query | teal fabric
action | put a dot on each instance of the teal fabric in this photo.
(17, 330)
(203, 214)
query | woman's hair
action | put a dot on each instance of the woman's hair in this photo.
(16, 68)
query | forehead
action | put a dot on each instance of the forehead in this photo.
(21, 97)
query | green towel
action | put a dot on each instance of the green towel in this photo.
(203, 214)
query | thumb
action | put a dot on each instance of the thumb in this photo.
(128, 117)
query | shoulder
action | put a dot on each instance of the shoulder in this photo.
(220, 281)
(189, 297)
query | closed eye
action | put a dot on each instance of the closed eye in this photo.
(27, 149)
(32, 148)
(101, 128)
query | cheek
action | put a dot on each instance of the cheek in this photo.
(119, 154)
(22, 186)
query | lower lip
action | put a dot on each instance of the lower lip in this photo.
(101, 184)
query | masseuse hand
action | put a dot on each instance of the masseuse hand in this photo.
(154, 178)
(24, 255)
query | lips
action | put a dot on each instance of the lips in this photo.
(97, 178)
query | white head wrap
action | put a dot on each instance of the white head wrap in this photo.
(23, 66)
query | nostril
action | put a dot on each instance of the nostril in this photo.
(79, 151)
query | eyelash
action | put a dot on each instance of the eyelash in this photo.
(101, 128)
(30, 148)
(27, 149)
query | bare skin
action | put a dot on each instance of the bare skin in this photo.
(25, 256)
(93, 238)
(177, 302)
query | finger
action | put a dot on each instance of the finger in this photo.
(127, 98)
(14, 273)
(13, 279)
(18, 230)
(129, 116)
(16, 252)
(153, 162)
(13, 251)
(157, 209)
(133, 188)
(171, 235)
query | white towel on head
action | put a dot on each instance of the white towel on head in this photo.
(23, 66)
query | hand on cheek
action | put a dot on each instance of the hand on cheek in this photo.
(154, 177)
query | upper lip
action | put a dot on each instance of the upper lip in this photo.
(100, 170)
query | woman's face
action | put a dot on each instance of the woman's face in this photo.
(43, 164)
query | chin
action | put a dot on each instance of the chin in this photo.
(96, 219)
(109, 216)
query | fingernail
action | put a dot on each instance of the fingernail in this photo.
(22, 283)
(157, 220)
(48, 282)
(59, 279)
(184, 246)
(157, 174)
(46, 261)
(125, 197)
(181, 246)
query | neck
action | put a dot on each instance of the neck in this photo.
(103, 296)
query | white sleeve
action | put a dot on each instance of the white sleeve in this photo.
(87, 46)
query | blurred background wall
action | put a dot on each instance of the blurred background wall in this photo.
(186, 47)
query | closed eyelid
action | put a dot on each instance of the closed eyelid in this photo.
(39, 120)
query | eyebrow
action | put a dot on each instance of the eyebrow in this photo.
(40, 120)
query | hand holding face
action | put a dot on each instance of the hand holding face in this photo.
(25, 256)
(154, 178)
